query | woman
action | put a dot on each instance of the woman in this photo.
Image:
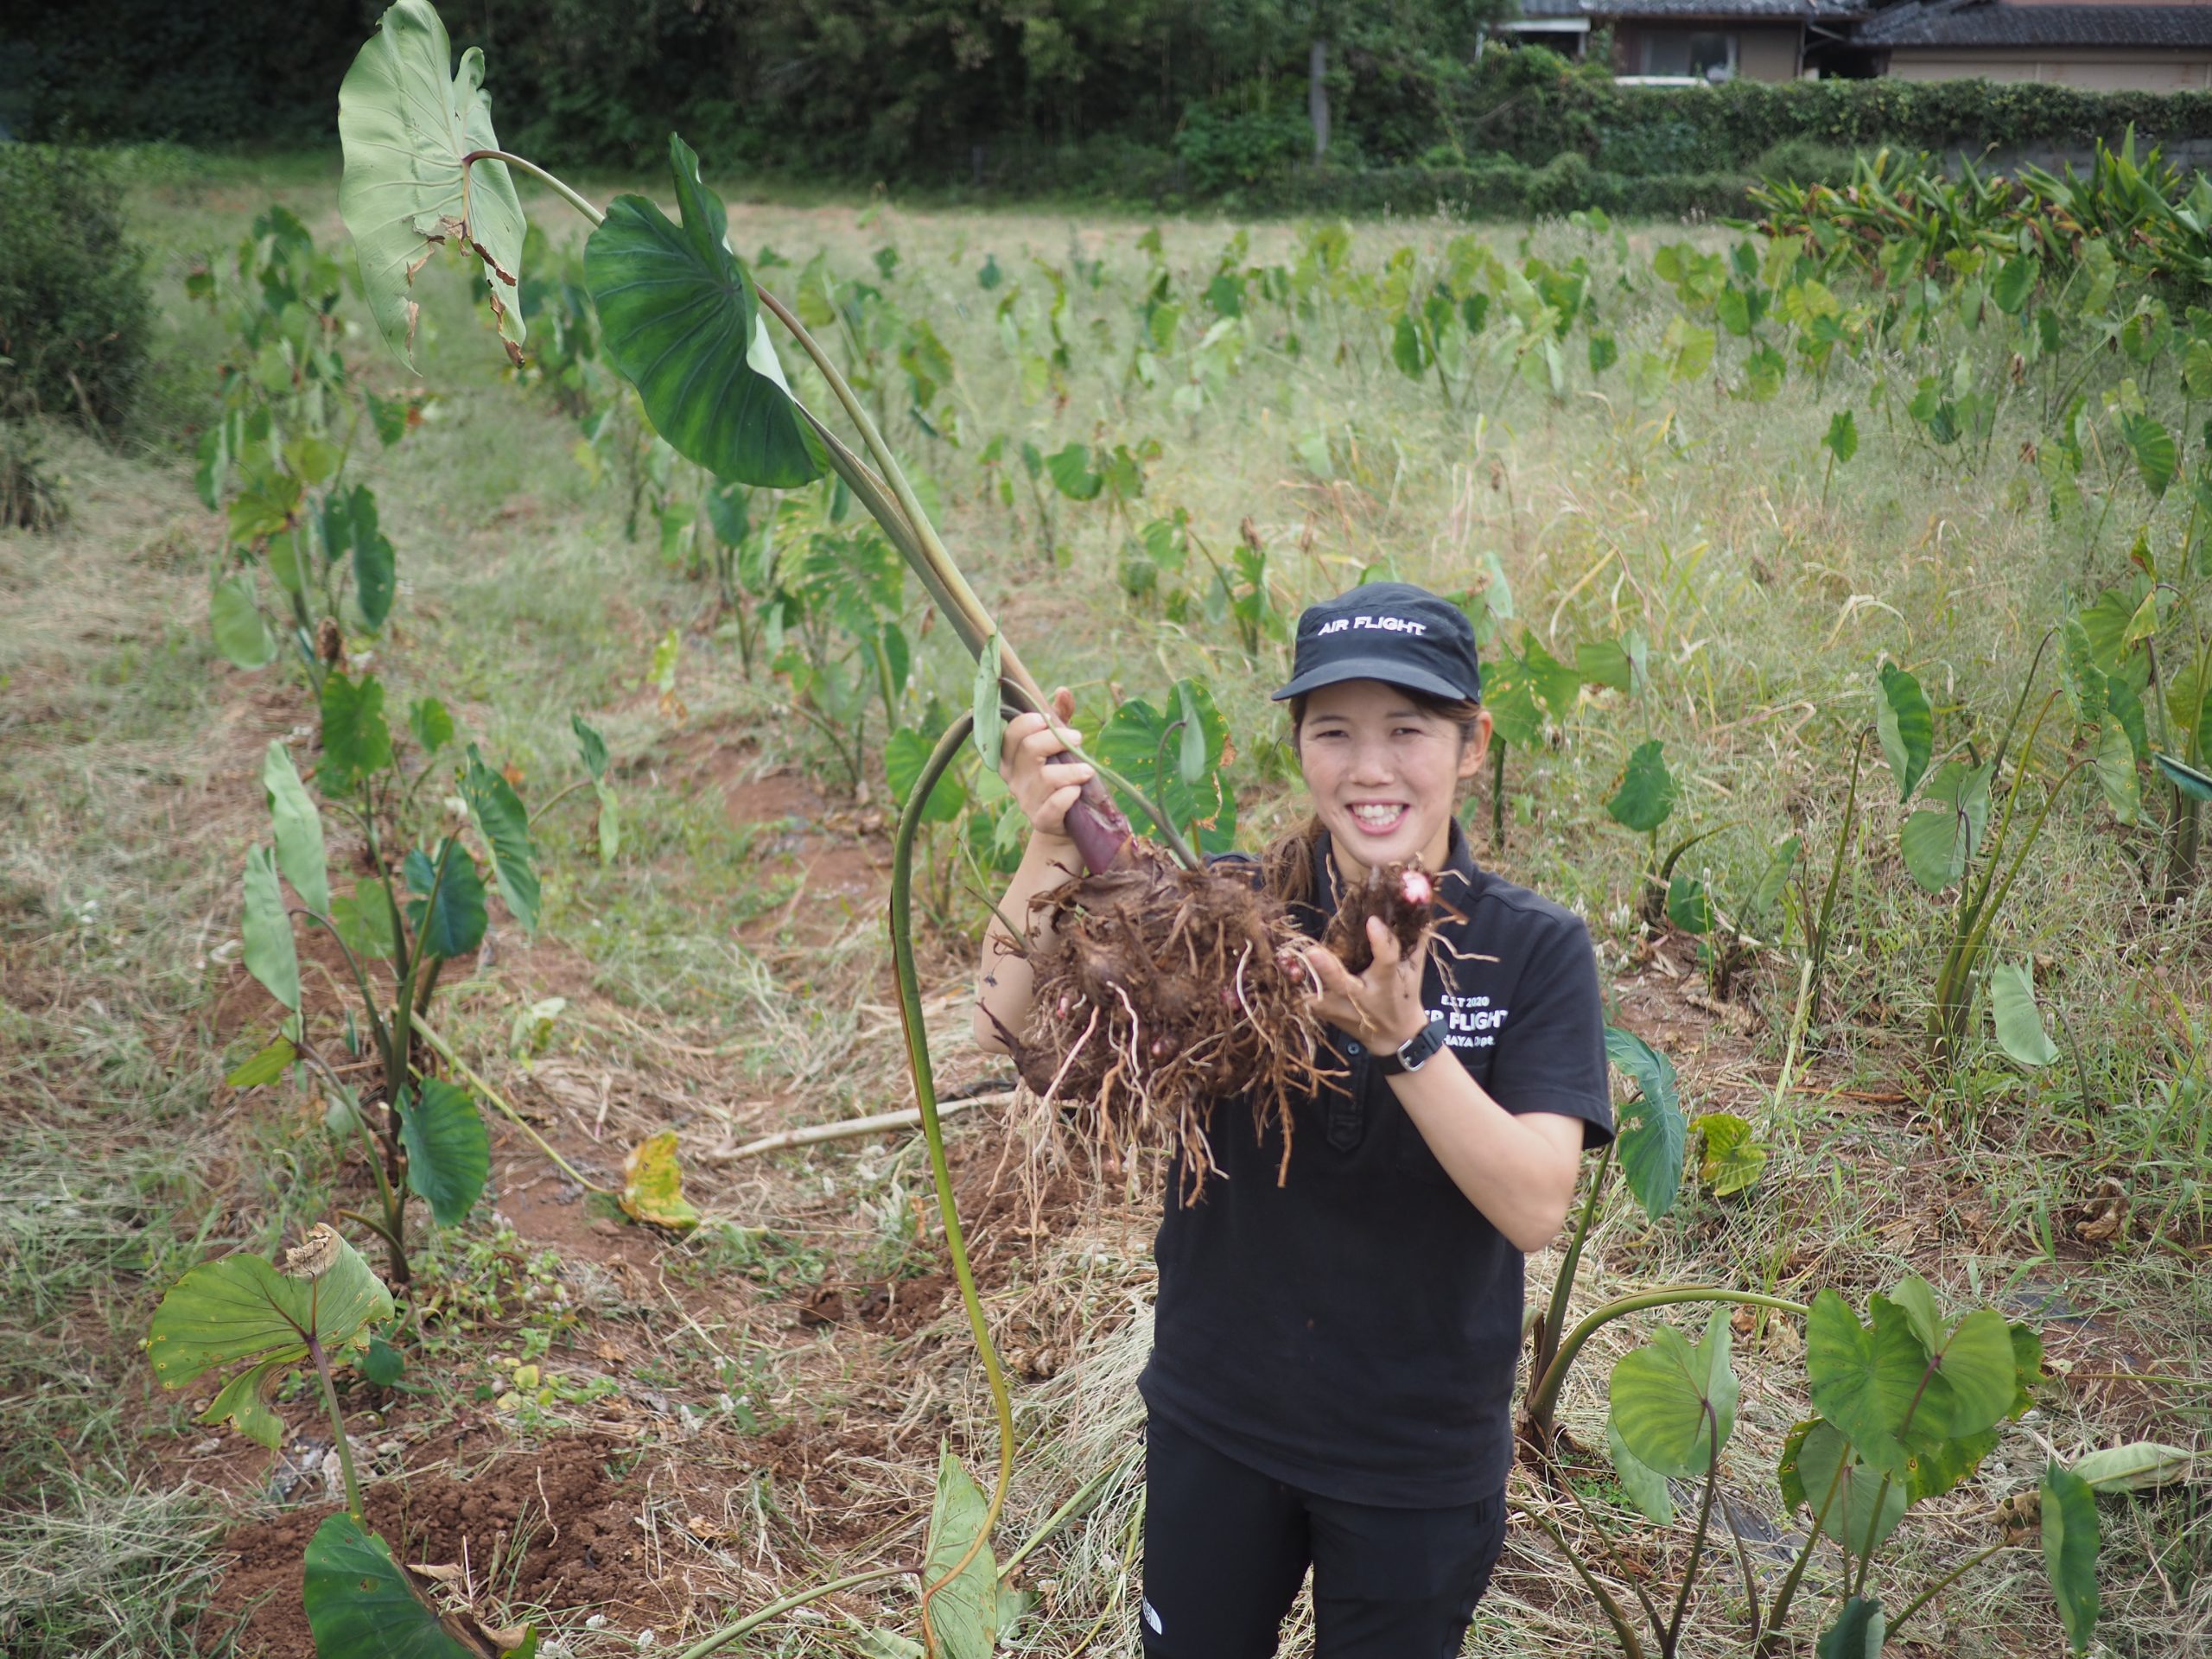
(1333, 1354)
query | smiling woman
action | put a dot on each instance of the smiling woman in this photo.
(1340, 1284)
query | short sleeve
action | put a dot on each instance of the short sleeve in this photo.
(1551, 1047)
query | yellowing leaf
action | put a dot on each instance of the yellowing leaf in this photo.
(652, 1185)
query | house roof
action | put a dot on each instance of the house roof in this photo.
(1992, 24)
(1778, 11)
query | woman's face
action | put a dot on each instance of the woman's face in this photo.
(1382, 773)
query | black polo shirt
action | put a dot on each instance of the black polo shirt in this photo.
(1354, 1330)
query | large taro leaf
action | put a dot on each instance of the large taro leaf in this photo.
(1819, 1468)
(2069, 1550)
(241, 631)
(1675, 1402)
(1914, 1410)
(356, 741)
(448, 1151)
(298, 829)
(405, 119)
(448, 915)
(2140, 1465)
(2020, 1031)
(271, 955)
(1652, 1131)
(963, 1614)
(1646, 796)
(506, 828)
(1150, 749)
(1642, 1485)
(1857, 1632)
(241, 1309)
(1907, 726)
(361, 1604)
(679, 318)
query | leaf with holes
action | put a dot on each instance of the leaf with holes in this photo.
(652, 1185)
(361, 1604)
(1644, 797)
(1733, 1159)
(406, 119)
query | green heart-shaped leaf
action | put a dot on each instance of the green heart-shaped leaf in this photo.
(448, 1150)
(361, 1604)
(449, 918)
(1820, 1467)
(1645, 796)
(271, 955)
(2069, 1550)
(1675, 1402)
(963, 1614)
(506, 828)
(1643, 1486)
(405, 119)
(241, 633)
(240, 1307)
(1652, 1132)
(679, 318)
(1907, 726)
(298, 828)
(2020, 1031)
(356, 742)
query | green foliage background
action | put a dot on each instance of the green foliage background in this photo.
(1146, 100)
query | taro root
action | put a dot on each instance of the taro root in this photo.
(1159, 992)
(1403, 895)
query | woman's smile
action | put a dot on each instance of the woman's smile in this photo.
(1384, 773)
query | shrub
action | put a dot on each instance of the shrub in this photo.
(75, 315)
(1807, 161)
(1221, 149)
(1561, 184)
(30, 496)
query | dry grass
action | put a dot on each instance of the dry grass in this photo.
(709, 989)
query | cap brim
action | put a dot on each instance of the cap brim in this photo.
(1389, 670)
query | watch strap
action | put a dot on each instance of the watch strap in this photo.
(1416, 1051)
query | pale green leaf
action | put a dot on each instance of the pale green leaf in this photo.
(2020, 1031)
(298, 828)
(271, 955)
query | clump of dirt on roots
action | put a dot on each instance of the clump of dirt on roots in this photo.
(1162, 993)
(1403, 895)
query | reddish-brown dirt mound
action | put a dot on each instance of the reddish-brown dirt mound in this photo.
(574, 1525)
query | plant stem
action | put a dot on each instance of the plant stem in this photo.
(445, 1052)
(1697, 1539)
(1563, 1285)
(1796, 1033)
(1543, 1396)
(1616, 1615)
(1780, 1611)
(537, 172)
(354, 1504)
(753, 1621)
(1820, 937)
(1945, 1583)
(917, 1060)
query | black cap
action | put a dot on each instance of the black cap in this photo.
(1387, 631)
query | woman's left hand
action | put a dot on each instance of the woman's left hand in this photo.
(1382, 1006)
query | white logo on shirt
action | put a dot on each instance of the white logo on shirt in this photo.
(1152, 1616)
(1470, 1023)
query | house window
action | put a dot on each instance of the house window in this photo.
(1706, 54)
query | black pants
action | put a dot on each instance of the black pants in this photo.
(1225, 1549)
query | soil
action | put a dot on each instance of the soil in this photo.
(591, 1554)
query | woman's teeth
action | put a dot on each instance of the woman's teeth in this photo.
(1377, 817)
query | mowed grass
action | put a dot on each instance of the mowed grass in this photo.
(1697, 519)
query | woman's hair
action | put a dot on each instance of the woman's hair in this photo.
(1286, 865)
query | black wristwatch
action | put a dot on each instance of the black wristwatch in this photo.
(1416, 1051)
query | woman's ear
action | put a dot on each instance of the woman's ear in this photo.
(1476, 746)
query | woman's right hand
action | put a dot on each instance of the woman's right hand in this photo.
(1044, 785)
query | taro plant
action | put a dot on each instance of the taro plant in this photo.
(421, 905)
(321, 1310)
(1976, 821)
(1909, 1405)
(276, 461)
(682, 319)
